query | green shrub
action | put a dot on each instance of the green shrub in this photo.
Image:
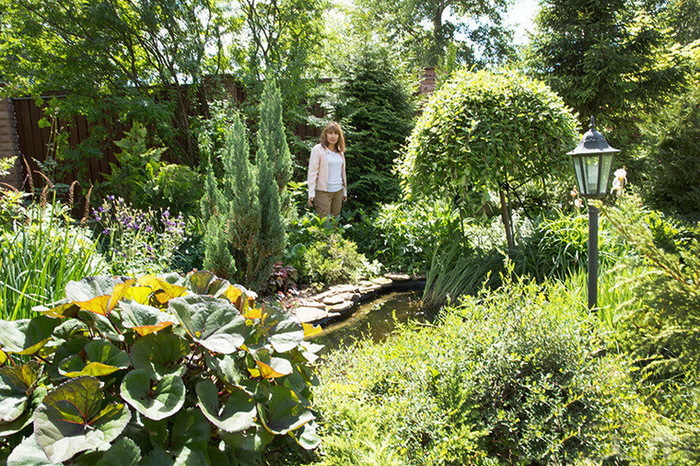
(39, 254)
(133, 177)
(663, 332)
(512, 377)
(171, 370)
(334, 259)
(179, 187)
(403, 236)
(672, 159)
(374, 106)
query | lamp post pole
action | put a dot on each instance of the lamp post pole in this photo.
(592, 161)
(593, 212)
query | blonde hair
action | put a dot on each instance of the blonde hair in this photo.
(333, 127)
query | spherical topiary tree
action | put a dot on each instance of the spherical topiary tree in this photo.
(488, 132)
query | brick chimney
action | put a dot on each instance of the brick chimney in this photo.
(427, 82)
(9, 142)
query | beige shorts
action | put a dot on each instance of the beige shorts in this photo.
(327, 204)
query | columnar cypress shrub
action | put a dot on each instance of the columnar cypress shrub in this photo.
(217, 256)
(271, 239)
(273, 139)
(245, 212)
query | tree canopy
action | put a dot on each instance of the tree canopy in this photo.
(487, 131)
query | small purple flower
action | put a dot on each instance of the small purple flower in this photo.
(110, 197)
(149, 228)
(106, 231)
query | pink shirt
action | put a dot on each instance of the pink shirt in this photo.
(318, 171)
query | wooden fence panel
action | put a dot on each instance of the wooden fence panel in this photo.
(35, 141)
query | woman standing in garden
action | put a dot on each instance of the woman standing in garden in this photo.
(328, 187)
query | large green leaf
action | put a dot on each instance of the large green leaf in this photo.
(26, 418)
(98, 358)
(144, 319)
(191, 428)
(29, 453)
(71, 419)
(16, 386)
(307, 436)
(203, 282)
(254, 439)
(154, 399)
(285, 411)
(158, 457)
(160, 354)
(213, 323)
(236, 414)
(26, 336)
(91, 287)
(124, 452)
(286, 334)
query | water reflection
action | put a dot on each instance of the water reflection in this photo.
(375, 320)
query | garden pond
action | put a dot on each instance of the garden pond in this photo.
(374, 319)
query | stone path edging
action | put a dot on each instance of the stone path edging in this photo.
(339, 301)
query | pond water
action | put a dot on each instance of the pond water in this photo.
(375, 319)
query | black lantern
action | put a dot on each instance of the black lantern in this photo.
(593, 159)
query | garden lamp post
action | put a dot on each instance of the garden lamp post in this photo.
(593, 159)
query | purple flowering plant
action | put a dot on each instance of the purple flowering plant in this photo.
(137, 241)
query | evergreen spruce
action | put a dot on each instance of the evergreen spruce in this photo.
(214, 208)
(243, 217)
(377, 115)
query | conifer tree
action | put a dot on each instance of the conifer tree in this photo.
(271, 240)
(241, 184)
(214, 207)
(274, 139)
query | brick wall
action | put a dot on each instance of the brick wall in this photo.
(9, 142)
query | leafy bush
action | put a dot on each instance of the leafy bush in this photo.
(160, 370)
(134, 175)
(179, 187)
(40, 253)
(403, 236)
(488, 132)
(673, 155)
(137, 241)
(377, 114)
(512, 377)
(321, 254)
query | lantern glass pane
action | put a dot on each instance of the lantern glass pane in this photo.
(591, 172)
(606, 166)
(578, 167)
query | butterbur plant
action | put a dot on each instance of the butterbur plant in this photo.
(155, 370)
(137, 241)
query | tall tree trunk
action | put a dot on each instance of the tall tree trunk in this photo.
(505, 215)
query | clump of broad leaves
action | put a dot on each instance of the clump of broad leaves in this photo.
(154, 370)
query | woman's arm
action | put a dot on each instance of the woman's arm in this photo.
(314, 162)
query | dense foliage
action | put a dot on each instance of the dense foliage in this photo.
(513, 376)
(375, 109)
(605, 58)
(40, 252)
(671, 162)
(488, 132)
(165, 370)
(244, 231)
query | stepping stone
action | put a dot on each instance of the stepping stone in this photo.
(341, 307)
(310, 314)
(339, 298)
(398, 277)
(384, 282)
(311, 303)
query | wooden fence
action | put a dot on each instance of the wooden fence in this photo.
(37, 140)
